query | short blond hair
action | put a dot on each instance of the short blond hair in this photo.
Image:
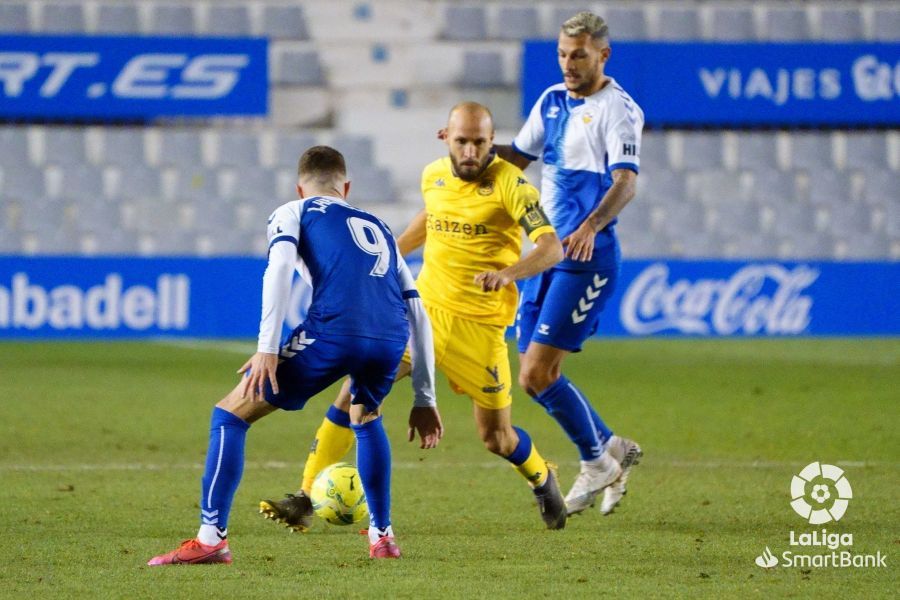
(586, 23)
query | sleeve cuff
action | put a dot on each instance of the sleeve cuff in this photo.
(522, 152)
(622, 165)
(534, 235)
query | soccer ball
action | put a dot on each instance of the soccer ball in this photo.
(337, 495)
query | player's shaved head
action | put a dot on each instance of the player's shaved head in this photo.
(471, 111)
(470, 136)
(322, 171)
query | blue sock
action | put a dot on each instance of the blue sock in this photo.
(523, 448)
(224, 466)
(565, 403)
(337, 416)
(373, 458)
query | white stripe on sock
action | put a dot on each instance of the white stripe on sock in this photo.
(212, 486)
(587, 413)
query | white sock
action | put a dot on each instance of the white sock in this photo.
(211, 535)
(604, 462)
(375, 534)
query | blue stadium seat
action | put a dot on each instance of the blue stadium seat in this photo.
(786, 24)
(62, 18)
(118, 18)
(733, 23)
(97, 215)
(626, 23)
(886, 23)
(196, 183)
(180, 147)
(298, 67)
(482, 69)
(290, 146)
(771, 185)
(702, 150)
(792, 217)
(829, 188)
(123, 146)
(43, 215)
(811, 151)
(139, 181)
(371, 184)
(238, 148)
(14, 17)
(114, 243)
(753, 246)
(654, 151)
(840, 24)
(661, 186)
(284, 22)
(82, 181)
(757, 151)
(465, 23)
(228, 20)
(13, 146)
(357, 149)
(867, 151)
(882, 187)
(867, 247)
(737, 218)
(810, 246)
(172, 19)
(698, 244)
(22, 182)
(848, 218)
(64, 146)
(678, 23)
(254, 184)
(518, 23)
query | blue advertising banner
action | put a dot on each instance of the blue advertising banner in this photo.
(99, 77)
(51, 297)
(743, 84)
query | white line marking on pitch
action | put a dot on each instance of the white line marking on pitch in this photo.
(676, 464)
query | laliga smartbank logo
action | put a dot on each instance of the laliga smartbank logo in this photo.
(820, 493)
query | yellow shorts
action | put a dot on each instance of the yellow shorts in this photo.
(473, 356)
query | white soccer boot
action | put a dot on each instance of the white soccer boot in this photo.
(628, 453)
(593, 478)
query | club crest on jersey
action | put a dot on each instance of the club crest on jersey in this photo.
(553, 112)
(439, 182)
(521, 181)
(486, 188)
(587, 118)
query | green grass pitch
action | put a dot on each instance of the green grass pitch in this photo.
(101, 446)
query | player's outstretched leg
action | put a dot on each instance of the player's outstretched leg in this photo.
(541, 378)
(629, 454)
(514, 444)
(230, 420)
(332, 442)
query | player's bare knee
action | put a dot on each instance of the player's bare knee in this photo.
(360, 415)
(498, 441)
(535, 379)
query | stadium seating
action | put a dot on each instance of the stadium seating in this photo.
(362, 76)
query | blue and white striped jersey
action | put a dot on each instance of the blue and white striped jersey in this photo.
(581, 141)
(350, 259)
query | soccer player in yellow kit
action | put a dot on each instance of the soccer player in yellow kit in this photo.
(476, 205)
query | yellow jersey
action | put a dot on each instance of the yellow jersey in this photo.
(471, 227)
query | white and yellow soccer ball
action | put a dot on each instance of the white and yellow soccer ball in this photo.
(337, 495)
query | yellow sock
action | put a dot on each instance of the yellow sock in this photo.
(331, 443)
(528, 461)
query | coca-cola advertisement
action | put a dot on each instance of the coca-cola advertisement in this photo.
(721, 298)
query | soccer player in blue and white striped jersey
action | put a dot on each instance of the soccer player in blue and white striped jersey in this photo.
(364, 307)
(587, 132)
